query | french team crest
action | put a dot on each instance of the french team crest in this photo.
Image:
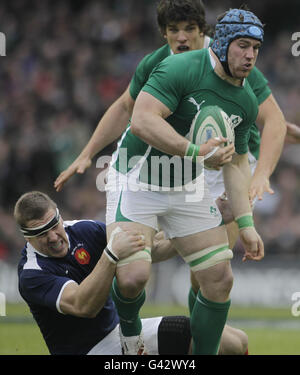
(82, 256)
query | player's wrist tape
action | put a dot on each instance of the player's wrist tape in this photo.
(192, 151)
(245, 221)
(112, 257)
(108, 250)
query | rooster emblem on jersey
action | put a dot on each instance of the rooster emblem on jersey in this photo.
(82, 256)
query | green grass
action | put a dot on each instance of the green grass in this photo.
(21, 339)
(17, 310)
(256, 312)
(19, 334)
(236, 312)
(273, 341)
(262, 340)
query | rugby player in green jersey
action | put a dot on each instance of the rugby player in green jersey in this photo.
(143, 196)
(188, 34)
(180, 39)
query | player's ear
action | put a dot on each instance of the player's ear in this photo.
(163, 31)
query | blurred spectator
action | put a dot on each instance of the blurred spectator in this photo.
(67, 61)
(279, 222)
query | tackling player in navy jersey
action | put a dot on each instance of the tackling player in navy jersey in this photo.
(65, 275)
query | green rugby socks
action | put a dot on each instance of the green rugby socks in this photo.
(128, 310)
(191, 300)
(208, 319)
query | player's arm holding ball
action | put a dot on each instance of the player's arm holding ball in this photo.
(148, 120)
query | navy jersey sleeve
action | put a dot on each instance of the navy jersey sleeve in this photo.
(42, 287)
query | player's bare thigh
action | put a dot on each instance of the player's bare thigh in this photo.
(147, 231)
(215, 280)
(133, 276)
(195, 242)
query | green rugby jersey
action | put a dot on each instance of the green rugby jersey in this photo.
(185, 83)
(145, 67)
(257, 81)
(259, 85)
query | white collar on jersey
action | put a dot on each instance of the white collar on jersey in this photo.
(31, 248)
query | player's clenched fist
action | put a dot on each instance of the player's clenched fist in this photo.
(253, 244)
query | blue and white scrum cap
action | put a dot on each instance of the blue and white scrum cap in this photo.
(237, 23)
(37, 231)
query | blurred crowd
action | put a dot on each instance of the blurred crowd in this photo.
(65, 63)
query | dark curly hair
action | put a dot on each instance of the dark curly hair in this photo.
(181, 10)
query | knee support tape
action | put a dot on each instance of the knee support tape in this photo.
(208, 257)
(140, 255)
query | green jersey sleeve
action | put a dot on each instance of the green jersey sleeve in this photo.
(139, 78)
(145, 68)
(166, 82)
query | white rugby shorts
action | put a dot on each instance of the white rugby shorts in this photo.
(215, 180)
(110, 345)
(177, 213)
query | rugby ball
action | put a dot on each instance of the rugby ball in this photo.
(211, 122)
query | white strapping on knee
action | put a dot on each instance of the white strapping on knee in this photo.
(113, 233)
(209, 257)
(139, 255)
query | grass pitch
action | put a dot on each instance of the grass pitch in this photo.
(270, 331)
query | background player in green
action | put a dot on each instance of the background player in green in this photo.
(162, 116)
(190, 34)
(181, 38)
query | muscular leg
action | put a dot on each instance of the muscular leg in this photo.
(128, 287)
(233, 341)
(174, 337)
(212, 303)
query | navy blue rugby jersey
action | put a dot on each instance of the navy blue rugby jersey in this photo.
(42, 280)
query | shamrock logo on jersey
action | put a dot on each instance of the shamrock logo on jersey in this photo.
(213, 210)
(235, 120)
